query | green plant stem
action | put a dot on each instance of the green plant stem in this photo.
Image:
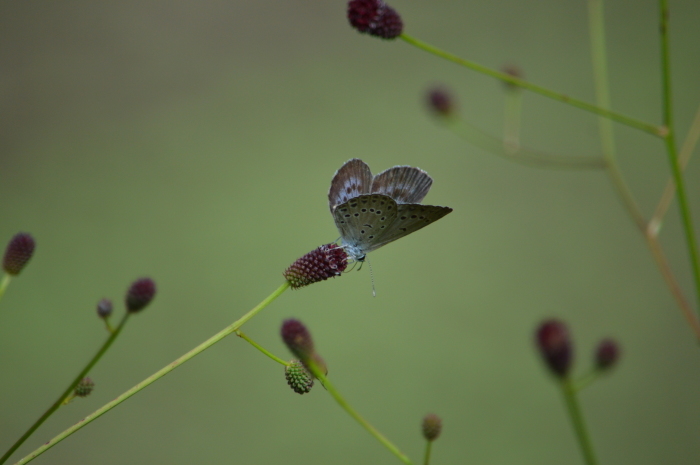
(596, 25)
(68, 390)
(648, 229)
(686, 152)
(428, 447)
(157, 375)
(343, 403)
(670, 140)
(672, 283)
(108, 325)
(261, 348)
(620, 118)
(4, 283)
(69, 399)
(576, 418)
(525, 156)
(587, 379)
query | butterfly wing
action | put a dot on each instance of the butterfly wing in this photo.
(409, 218)
(352, 180)
(404, 184)
(370, 212)
(363, 220)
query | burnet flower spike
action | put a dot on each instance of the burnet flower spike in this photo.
(140, 294)
(554, 343)
(104, 308)
(431, 427)
(553, 340)
(104, 311)
(607, 354)
(374, 17)
(18, 252)
(298, 377)
(440, 102)
(298, 340)
(82, 389)
(327, 261)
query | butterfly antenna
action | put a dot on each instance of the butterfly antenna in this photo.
(371, 278)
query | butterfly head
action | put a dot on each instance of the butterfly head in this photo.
(354, 251)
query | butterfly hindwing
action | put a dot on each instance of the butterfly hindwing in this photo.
(353, 179)
(365, 219)
(404, 184)
(409, 219)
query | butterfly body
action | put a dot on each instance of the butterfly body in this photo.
(371, 211)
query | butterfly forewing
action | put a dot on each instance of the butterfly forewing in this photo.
(404, 184)
(409, 218)
(365, 219)
(353, 179)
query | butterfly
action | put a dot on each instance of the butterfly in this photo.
(371, 211)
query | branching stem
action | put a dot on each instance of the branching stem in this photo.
(155, 376)
(620, 118)
(68, 391)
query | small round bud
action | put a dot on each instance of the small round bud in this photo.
(297, 338)
(432, 425)
(440, 101)
(325, 262)
(555, 346)
(140, 294)
(374, 17)
(607, 354)
(19, 250)
(84, 387)
(298, 378)
(104, 308)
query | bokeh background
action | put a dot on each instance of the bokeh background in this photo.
(194, 142)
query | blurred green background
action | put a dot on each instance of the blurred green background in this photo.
(194, 142)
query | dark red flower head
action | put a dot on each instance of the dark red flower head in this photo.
(432, 425)
(320, 264)
(555, 346)
(440, 101)
(374, 17)
(19, 250)
(297, 338)
(140, 294)
(607, 354)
